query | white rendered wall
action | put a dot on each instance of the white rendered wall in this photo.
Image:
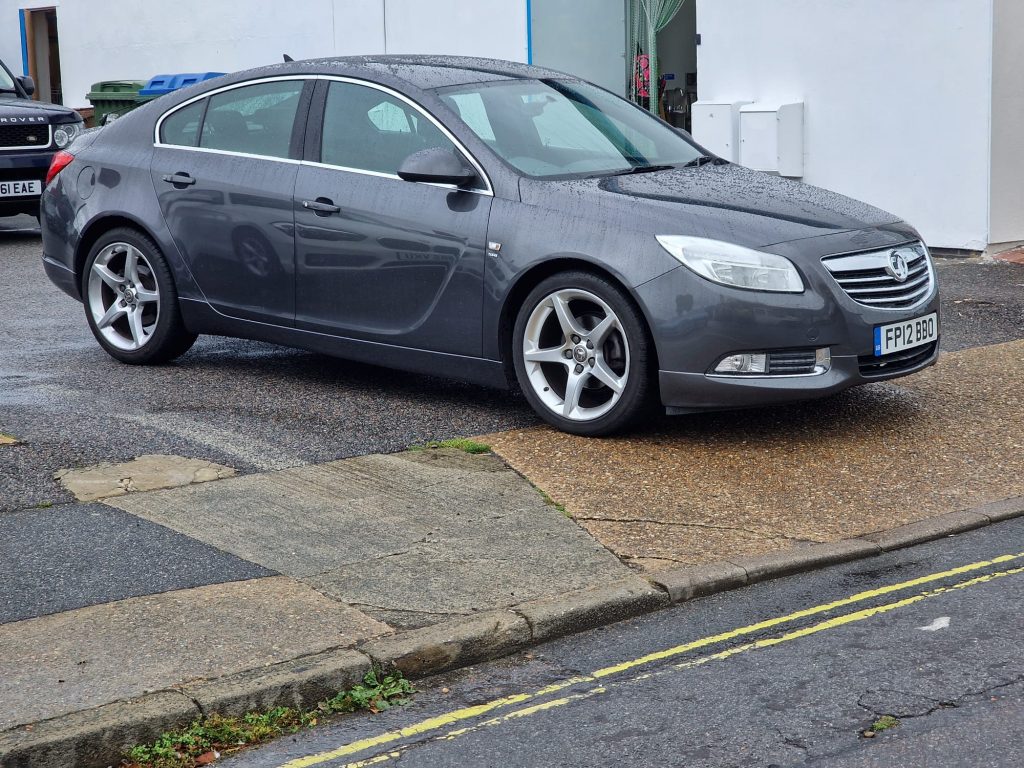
(1007, 203)
(136, 39)
(896, 93)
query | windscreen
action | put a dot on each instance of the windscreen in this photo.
(6, 81)
(566, 128)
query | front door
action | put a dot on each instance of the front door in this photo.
(378, 258)
(224, 175)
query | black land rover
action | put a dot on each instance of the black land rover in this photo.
(30, 132)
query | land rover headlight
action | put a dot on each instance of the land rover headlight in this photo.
(734, 265)
(65, 134)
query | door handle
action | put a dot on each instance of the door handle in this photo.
(179, 179)
(322, 206)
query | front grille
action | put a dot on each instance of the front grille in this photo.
(868, 279)
(799, 363)
(24, 136)
(895, 362)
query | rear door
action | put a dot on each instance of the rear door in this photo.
(379, 258)
(224, 171)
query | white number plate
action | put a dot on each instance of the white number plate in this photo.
(16, 188)
(895, 337)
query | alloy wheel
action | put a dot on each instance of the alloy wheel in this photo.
(576, 354)
(123, 296)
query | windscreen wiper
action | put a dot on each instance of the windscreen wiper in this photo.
(640, 169)
(697, 162)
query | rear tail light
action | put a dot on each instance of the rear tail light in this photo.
(61, 160)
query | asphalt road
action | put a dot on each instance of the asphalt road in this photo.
(771, 675)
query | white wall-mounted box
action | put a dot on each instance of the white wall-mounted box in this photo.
(716, 126)
(772, 138)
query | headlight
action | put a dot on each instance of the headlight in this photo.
(734, 265)
(66, 133)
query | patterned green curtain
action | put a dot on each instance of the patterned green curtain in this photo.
(647, 18)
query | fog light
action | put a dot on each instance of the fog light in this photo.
(746, 363)
(822, 360)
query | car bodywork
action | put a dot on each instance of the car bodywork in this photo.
(453, 266)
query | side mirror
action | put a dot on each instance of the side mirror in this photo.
(437, 166)
(28, 84)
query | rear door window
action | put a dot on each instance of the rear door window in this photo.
(254, 120)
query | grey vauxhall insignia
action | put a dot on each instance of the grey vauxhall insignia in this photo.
(481, 220)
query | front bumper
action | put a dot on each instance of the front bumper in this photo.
(30, 165)
(692, 392)
(695, 323)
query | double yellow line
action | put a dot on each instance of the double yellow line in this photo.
(449, 719)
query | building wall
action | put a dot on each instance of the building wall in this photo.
(129, 39)
(897, 97)
(1007, 194)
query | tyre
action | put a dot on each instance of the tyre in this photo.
(582, 354)
(131, 302)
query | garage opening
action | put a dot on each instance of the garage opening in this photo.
(663, 45)
(41, 52)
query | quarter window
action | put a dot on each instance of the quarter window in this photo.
(370, 130)
(255, 119)
(182, 128)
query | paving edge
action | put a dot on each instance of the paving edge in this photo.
(99, 736)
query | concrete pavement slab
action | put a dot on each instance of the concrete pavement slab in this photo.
(68, 557)
(709, 487)
(407, 537)
(144, 473)
(91, 656)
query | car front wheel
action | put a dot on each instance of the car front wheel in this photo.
(582, 354)
(131, 302)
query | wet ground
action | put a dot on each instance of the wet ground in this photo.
(247, 405)
(255, 406)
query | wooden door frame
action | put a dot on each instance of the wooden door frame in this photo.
(30, 42)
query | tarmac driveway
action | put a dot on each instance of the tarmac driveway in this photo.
(248, 405)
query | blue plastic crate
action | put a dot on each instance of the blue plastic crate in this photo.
(161, 84)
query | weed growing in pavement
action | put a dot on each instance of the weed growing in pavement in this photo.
(210, 737)
(551, 502)
(884, 723)
(43, 505)
(459, 443)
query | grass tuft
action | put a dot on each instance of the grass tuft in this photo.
(458, 443)
(551, 502)
(884, 723)
(210, 737)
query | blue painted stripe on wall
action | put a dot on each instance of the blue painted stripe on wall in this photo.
(24, 42)
(529, 31)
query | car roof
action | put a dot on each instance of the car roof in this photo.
(425, 72)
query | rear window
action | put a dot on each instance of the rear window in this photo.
(181, 129)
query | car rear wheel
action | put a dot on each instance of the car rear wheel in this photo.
(130, 300)
(582, 355)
